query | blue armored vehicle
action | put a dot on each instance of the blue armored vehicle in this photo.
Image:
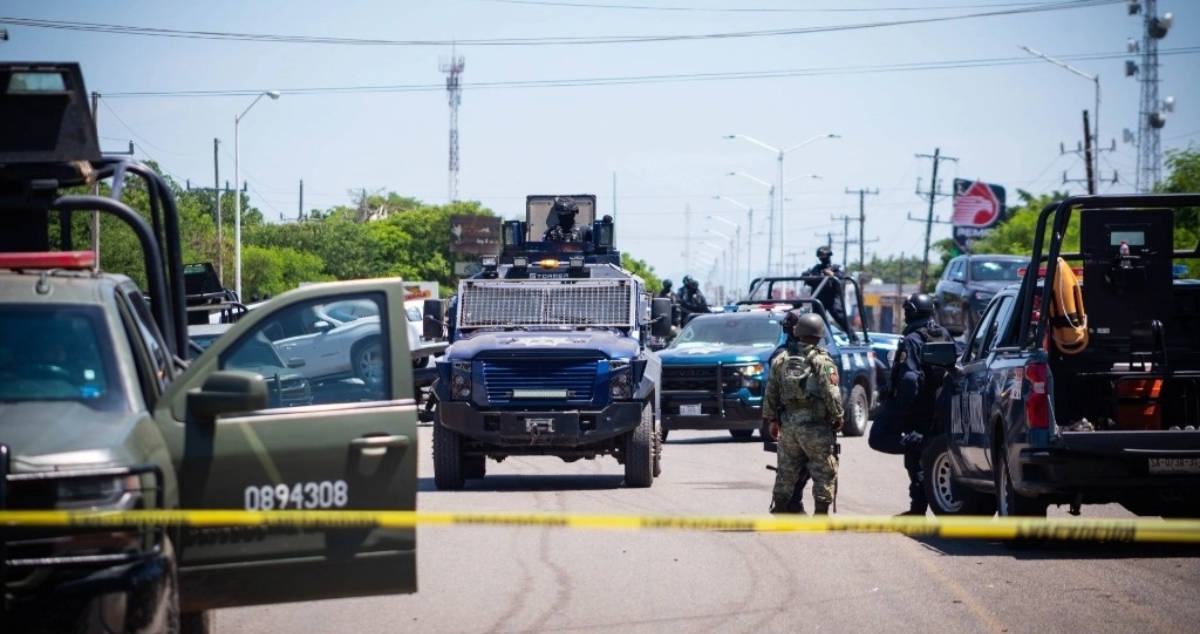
(548, 352)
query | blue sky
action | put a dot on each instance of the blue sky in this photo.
(662, 140)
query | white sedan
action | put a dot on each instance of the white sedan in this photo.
(335, 340)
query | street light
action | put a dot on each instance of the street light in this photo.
(237, 195)
(733, 255)
(779, 154)
(1095, 79)
(737, 227)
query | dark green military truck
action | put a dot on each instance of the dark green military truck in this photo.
(99, 410)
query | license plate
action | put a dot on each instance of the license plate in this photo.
(1174, 465)
(690, 410)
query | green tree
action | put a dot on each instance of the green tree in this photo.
(269, 271)
(642, 270)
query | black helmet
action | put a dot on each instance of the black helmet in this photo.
(809, 325)
(824, 253)
(917, 306)
(564, 205)
(687, 279)
(666, 284)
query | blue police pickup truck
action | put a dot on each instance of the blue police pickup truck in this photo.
(549, 355)
(715, 369)
(1089, 393)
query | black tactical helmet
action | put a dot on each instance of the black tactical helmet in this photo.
(667, 284)
(565, 205)
(824, 253)
(917, 306)
(810, 325)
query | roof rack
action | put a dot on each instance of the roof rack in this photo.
(48, 145)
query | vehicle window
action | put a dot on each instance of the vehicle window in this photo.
(995, 271)
(413, 313)
(347, 364)
(58, 353)
(956, 271)
(1001, 317)
(760, 333)
(979, 335)
(350, 310)
(159, 356)
(203, 341)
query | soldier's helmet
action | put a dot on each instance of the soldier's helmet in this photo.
(667, 284)
(824, 253)
(809, 325)
(564, 205)
(918, 306)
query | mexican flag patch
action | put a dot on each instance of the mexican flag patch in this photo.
(832, 373)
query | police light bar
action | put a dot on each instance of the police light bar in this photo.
(75, 260)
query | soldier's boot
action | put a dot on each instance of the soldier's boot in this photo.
(820, 508)
(779, 507)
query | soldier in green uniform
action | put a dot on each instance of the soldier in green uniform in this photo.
(804, 413)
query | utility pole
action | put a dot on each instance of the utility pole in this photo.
(687, 238)
(933, 194)
(1088, 150)
(453, 70)
(845, 218)
(217, 210)
(300, 212)
(614, 201)
(862, 221)
(96, 185)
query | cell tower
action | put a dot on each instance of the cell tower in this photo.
(1152, 113)
(453, 69)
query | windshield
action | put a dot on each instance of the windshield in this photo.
(760, 333)
(995, 271)
(57, 353)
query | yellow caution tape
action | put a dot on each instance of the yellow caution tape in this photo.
(992, 528)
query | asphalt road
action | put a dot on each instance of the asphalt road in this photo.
(498, 579)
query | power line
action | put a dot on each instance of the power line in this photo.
(642, 79)
(679, 9)
(119, 29)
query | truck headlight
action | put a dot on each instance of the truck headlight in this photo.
(460, 380)
(620, 374)
(107, 492)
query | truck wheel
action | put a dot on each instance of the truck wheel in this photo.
(741, 434)
(474, 467)
(1010, 503)
(366, 361)
(855, 423)
(639, 451)
(448, 472)
(947, 497)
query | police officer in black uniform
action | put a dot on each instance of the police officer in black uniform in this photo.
(564, 211)
(906, 418)
(691, 300)
(666, 289)
(831, 293)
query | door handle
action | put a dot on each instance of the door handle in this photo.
(380, 442)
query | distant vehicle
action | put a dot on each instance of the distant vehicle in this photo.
(1090, 393)
(969, 283)
(714, 372)
(336, 340)
(884, 345)
(286, 387)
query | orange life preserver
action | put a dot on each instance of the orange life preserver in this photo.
(1068, 320)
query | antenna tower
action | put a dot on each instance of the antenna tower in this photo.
(453, 69)
(1152, 113)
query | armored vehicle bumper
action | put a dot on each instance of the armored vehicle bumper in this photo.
(540, 428)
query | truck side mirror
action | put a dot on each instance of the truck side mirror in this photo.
(226, 392)
(660, 317)
(432, 324)
(939, 353)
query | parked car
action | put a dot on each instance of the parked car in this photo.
(969, 283)
(286, 387)
(337, 340)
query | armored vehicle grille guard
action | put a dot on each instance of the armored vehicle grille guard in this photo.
(502, 303)
(22, 550)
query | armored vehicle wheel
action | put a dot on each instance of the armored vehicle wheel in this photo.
(741, 434)
(639, 451)
(947, 497)
(855, 420)
(448, 467)
(474, 467)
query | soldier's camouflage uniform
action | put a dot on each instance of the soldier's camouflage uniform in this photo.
(803, 395)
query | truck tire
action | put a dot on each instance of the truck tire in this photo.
(857, 408)
(947, 497)
(639, 451)
(448, 472)
(367, 362)
(474, 467)
(741, 434)
(1010, 503)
